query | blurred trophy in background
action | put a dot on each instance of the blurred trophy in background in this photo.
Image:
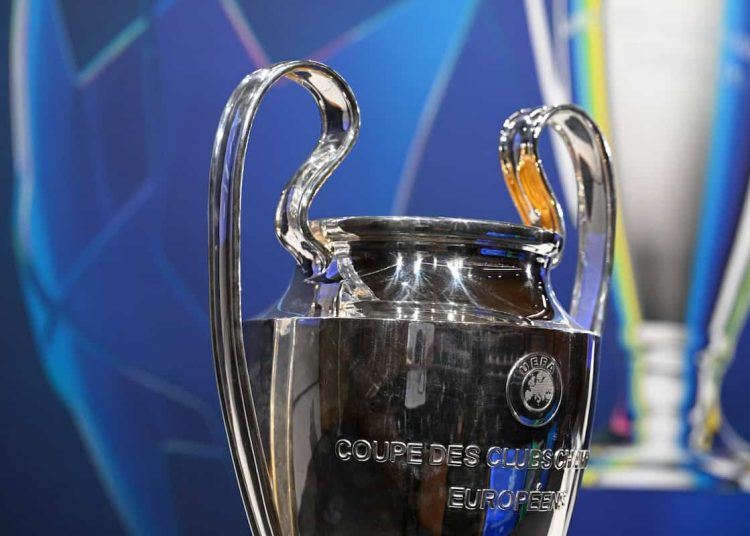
(730, 458)
(718, 306)
(661, 73)
(667, 82)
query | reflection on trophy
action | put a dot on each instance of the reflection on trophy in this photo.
(419, 375)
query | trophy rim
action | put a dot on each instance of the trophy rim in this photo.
(443, 230)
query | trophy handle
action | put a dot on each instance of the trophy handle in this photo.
(340, 125)
(538, 206)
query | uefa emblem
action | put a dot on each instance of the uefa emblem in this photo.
(534, 389)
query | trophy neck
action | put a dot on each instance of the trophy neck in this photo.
(338, 232)
(437, 269)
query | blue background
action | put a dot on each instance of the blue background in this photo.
(107, 386)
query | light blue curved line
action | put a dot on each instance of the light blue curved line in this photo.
(237, 20)
(22, 148)
(120, 43)
(435, 97)
(111, 51)
(360, 30)
(32, 285)
(370, 24)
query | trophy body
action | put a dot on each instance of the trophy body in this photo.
(366, 439)
(419, 375)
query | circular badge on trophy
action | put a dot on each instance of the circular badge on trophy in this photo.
(534, 389)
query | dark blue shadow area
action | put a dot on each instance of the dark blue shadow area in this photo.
(646, 513)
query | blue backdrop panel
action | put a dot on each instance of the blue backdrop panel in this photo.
(117, 110)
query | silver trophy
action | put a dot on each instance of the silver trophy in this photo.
(419, 375)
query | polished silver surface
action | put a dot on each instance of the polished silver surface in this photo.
(538, 206)
(340, 122)
(419, 375)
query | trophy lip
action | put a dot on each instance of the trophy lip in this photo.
(445, 230)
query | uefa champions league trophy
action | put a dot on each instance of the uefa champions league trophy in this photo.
(419, 375)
